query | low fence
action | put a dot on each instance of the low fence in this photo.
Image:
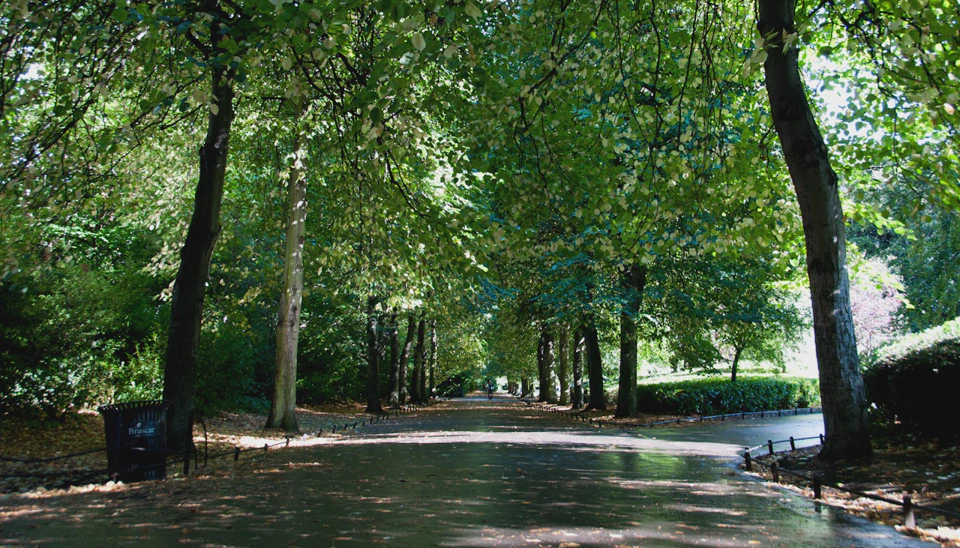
(194, 454)
(908, 507)
(575, 415)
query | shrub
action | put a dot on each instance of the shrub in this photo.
(914, 380)
(719, 395)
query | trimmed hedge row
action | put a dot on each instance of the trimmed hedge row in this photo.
(916, 380)
(719, 395)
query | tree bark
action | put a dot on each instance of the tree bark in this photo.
(373, 358)
(736, 362)
(417, 382)
(541, 366)
(633, 281)
(594, 366)
(283, 404)
(563, 372)
(548, 386)
(841, 386)
(578, 347)
(405, 356)
(393, 399)
(189, 289)
(433, 357)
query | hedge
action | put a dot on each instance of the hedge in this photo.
(714, 396)
(915, 380)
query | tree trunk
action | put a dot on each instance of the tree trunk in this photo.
(737, 350)
(373, 359)
(524, 387)
(578, 344)
(417, 387)
(841, 386)
(542, 366)
(393, 399)
(563, 372)
(189, 289)
(594, 366)
(283, 404)
(405, 356)
(548, 386)
(632, 284)
(433, 357)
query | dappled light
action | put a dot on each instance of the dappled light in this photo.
(467, 473)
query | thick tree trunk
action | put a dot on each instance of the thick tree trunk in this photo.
(283, 404)
(189, 289)
(594, 366)
(524, 387)
(841, 386)
(418, 383)
(563, 371)
(633, 281)
(393, 399)
(405, 356)
(578, 347)
(373, 359)
(433, 357)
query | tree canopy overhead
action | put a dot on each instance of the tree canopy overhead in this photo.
(503, 171)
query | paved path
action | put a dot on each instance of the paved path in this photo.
(464, 473)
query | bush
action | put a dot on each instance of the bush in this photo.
(914, 380)
(719, 395)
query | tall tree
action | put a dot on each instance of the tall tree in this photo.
(393, 398)
(598, 400)
(405, 357)
(577, 351)
(841, 386)
(633, 280)
(283, 404)
(563, 369)
(189, 288)
(373, 358)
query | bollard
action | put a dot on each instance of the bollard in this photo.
(265, 448)
(770, 446)
(236, 454)
(775, 471)
(908, 519)
(747, 461)
(793, 444)
(817, 487)
(821, 439)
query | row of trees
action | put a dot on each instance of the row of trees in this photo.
(525, 173)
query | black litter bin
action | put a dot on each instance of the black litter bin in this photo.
(136, 439)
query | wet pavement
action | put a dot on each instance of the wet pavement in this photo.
(469, 472)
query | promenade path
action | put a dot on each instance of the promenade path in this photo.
(467, 472)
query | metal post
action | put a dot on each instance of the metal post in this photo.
(908, 518)
(817, 487)
(775, 471)
(793, 444)
(821, 439)
(236, 454)
(747, 461)
(770, 446)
